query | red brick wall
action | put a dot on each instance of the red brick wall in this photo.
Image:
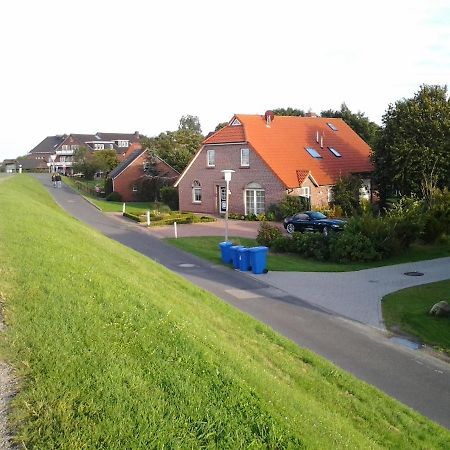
(123, 183)
(227, 157)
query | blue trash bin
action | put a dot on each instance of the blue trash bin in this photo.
(244, 259)
(235, 255)
(225, 252)
(258, 259)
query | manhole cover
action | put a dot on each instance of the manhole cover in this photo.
(186, 265)
(414, 274)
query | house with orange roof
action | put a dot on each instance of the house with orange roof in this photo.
(273, 156)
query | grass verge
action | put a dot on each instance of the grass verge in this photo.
(406, 312)
(207, 247)
(114, 351)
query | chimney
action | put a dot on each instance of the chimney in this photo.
(136, 134)
(310, 114)
(269, 116)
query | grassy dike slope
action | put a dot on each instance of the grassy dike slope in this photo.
(114, 351)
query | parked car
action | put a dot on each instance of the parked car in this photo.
(312, 221)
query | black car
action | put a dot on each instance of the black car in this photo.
(312, 221)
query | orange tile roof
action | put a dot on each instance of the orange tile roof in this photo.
(282, 146)
(227, 135)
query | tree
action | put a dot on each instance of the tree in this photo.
(83, 163)
(346, 194)
(358, 122)
(220, 126)
(175, 147)
(105, 160)
(414, 146)
(190, 123)
(288, 112)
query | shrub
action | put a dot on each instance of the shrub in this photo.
(134, 217)
(352, 247)
(108, 186)
(282, 244)
(311, 245)
(437, 219)
(169, 196)
(274, 212)
(267, 234)
(114, 197)
(291, 205)
(346, 194)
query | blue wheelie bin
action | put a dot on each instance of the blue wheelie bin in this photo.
(225, 252)
(258, 259)
(235, 255)
(244, 259)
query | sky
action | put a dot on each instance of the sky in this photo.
(90, 66)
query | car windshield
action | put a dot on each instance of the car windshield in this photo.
(317, 215)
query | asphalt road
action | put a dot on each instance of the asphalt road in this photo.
(414, 377)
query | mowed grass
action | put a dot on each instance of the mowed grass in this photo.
(207, 247)
(114, 351)
(406, 311)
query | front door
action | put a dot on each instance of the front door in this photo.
(222, 199)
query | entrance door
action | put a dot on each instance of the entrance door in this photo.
(222, 199)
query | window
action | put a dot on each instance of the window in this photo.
(254, 199)
(99, 146)
(245, 157)
(196, 191)
(135, 189)
(332, 126)
(305, 191)
(235, 123)
(335, 152)
(211, 158)
(313, 152)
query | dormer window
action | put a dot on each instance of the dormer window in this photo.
(235, 123)
(122, 143)
(313, 152)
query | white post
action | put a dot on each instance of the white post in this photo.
(175, 230)
(226, 211)
(148, 218)
(123, 208)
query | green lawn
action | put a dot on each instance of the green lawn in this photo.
(207, 247)
(406, 311)
(102, 204)
(114, 351)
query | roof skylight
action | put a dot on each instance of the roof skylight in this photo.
(332, 126)
(313, 152)
(335, 152)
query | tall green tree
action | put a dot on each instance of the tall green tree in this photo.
(289, 112)
(358, 122)
(105, 160)
(175, 147)
(190, 123)
(414, 146)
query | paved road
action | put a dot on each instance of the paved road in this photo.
(414, 377)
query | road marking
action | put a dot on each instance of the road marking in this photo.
(242, 294)
(186, 265)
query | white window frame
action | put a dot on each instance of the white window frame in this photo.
(135, 189)
(254, 191)
(305, 191)
(211, 158)
(196, 191)
(245, 160)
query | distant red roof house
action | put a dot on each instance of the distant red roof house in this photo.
(273, 156)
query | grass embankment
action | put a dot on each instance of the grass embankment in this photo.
(406, 312)
(114, 351)
(207, 247)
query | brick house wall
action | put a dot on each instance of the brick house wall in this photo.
(227, 156)
(126, 181)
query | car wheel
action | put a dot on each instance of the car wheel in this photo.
(325, 231)
(290, 228)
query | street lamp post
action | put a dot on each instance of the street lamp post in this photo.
(227, 175)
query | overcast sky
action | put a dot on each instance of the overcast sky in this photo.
(113, 66)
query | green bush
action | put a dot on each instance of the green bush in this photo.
(114, 197)
(134, 217)
(311, 245)
(437, 218)
(351, 247)
(267, 234)
(282, 244)
(274, 212)
(169, 196)
(291, 205)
